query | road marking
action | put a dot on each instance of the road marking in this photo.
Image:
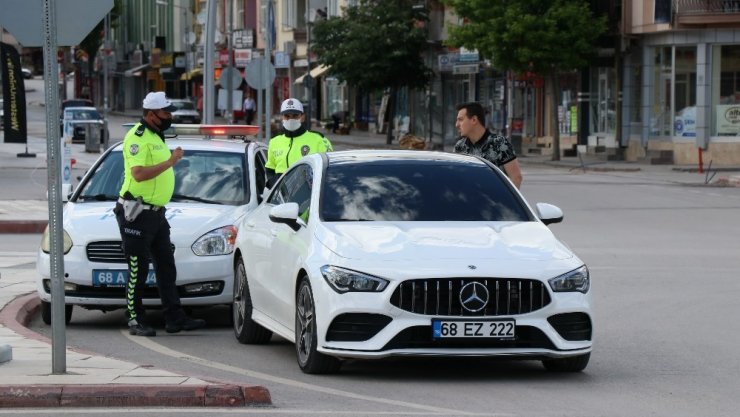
(152, 345)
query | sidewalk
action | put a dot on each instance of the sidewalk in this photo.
(91, 380)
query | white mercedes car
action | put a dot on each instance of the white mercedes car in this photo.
(371, 254)
(217, 182)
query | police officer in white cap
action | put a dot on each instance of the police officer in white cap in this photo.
(148, 184)
(294, 143)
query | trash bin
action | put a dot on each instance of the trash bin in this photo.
(92, 137)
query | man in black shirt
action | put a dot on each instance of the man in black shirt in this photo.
(476, 140)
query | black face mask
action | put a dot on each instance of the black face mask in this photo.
(164, 124)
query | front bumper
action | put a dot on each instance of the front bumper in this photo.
(191, 269)
(410, 334)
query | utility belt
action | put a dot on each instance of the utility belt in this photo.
(133, 207)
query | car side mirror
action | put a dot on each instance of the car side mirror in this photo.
(286, 213)
(549, 213)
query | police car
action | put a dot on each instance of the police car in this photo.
(217, 182)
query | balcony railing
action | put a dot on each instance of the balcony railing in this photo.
(706, 6)
(706, 12)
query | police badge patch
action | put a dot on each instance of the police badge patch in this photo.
(304, 150)
(133, 149)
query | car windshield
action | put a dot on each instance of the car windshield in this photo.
(418, 190)
(84, 114)
(201, 176)
(184, 105)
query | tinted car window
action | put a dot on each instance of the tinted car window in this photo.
(411, 190)
(184, 105)
(295, 187)
(210, 177)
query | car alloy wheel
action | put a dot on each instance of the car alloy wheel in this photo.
(246, 330)
(46, 312)
(309, 359)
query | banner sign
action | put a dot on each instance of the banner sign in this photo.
(14, 95)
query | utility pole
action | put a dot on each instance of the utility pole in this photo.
(208, 82)
(106, 52)
(311, 83)
(229, 87)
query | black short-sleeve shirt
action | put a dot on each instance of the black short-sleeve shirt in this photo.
(492, 147)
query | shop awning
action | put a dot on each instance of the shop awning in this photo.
(135, 71)
(315, 73)
(197, 72)
(319, 71)
(299, 80)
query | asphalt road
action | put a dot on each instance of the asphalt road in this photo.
(664, 264)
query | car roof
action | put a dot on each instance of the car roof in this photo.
(371, 155)
(80, 108)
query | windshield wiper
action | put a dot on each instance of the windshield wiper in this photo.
(193, 198)
(99, 197)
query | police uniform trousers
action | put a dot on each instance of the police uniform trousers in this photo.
(146, 239)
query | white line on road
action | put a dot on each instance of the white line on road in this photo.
(150, 344)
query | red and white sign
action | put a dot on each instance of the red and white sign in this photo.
(242, 57)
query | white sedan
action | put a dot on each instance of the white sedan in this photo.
(216, 183)
(371, 254)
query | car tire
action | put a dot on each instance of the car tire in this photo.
(309, 359)
(246, 330)
(573, 364)
(46, 313)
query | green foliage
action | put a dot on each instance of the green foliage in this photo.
(543, 36)
(376, 44)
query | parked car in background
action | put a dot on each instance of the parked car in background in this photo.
(2, 114)
(185, 113)
(80, 118)
(217, 182)
(371, 254)
(75, 102)
(27, 73)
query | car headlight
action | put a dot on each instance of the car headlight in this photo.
(46, 241)
(576, 280)
(216, 242)
(346, 280)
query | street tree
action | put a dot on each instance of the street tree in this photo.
(544, 37)
(94, 40)
(375, 45)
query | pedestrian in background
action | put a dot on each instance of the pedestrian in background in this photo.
(249, 108)
(476, 139)
(294, 143)
(149, 181)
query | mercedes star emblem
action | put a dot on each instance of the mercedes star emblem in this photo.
(474, 296)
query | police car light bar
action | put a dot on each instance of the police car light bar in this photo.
(208, 130)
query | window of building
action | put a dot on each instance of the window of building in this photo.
(603, 101)
(289, 19)
(635, 100)
(684, 121)
(662, 11)
(660, 111)
(726, 90)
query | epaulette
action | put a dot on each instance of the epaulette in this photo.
(317, 132)
(140, 130)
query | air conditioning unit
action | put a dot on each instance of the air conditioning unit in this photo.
(289, 47)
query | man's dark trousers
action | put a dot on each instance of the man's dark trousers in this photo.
(144, 239)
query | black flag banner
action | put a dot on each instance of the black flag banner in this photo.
(14, 95)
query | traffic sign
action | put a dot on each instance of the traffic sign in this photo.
(260, 73)
(74, 20)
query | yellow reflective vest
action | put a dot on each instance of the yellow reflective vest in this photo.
(283, 151)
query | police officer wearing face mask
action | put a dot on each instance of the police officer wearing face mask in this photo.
(295, 142)
(148, 184)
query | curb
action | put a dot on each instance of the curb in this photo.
(22, 226)
(16, 314)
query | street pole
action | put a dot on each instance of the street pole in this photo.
(263, 69)
(51, 80)
(106, 51)
(208, 82)
(229, 86)
(308, 61)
